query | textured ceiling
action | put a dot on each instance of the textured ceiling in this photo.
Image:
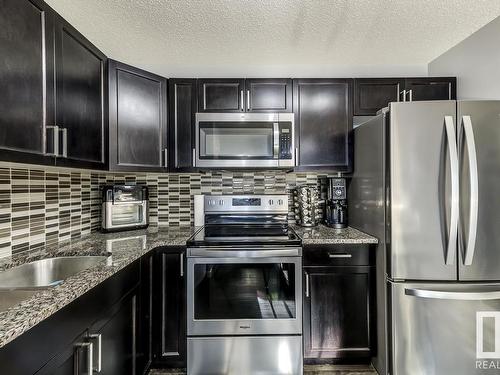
(270, 37)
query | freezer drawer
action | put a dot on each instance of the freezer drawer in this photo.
(434, 328)
(245, 355)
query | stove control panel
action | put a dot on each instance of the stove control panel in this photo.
(252, 203)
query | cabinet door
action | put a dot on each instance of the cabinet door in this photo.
(336, 312)
(323, 110)
(72, 360)
(26, 80)
(221, 95)
(170, 324)
(114, 338)
(373, 94)
(182, 109)
(431, 88)
(137, 119)
(145, 316)
(268, 95)
(80, 98)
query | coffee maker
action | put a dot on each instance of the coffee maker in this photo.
(336, 203)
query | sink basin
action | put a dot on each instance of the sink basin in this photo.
(46, 272)
(9, 298)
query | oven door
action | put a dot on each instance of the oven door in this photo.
(237, 140)
(244, 296)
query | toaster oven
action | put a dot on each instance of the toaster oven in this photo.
(124, 207)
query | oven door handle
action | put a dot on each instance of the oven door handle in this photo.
(242, 253)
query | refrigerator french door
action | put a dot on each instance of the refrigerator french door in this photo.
(444, 171)
(444, 238)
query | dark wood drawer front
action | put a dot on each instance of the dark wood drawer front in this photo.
(337, 255)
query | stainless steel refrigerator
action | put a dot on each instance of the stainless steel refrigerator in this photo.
(426, 182)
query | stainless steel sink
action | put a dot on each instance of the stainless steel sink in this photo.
(44, 273)
(9, 298)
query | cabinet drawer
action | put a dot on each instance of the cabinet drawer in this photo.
(338, 255)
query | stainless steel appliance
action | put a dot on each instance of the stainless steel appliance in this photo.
(124, 207)
(336, 203)
(427, 184)
(246, 140)
(308, 206)
(244, 287)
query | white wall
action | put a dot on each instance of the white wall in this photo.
(476, 63)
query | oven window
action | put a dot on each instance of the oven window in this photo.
(236, 140)
(123, 214)
(244, 291)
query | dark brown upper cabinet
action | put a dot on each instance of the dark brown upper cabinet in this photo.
(372, 94)
(81, 103)
(137, 119)
(323, 117)
(268, 95)
(182, 102)
(433, 88)
(245, 95)
(221, 95)
(26, 81)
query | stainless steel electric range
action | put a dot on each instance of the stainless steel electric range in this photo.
(244, 288)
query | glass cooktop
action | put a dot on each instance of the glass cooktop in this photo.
(236, 234)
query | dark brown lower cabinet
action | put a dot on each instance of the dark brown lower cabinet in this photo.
(72, 360)
(114, 338)
(114, 344)
(169, 334)
(338, 305)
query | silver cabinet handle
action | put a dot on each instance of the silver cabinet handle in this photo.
(241, 101)
(438, 294)
(90, 354)
(399, 93)
(276, 140)
(307, 284)
(474, 190)
(404, 95)
(449, 91)
(248, 100)
(97, 339)
(453, 154)
(182, 265)
(165, 157)
(296, 156)
(344, 255)
(64, 132)
(410, 94)
(194, 157)
(55, 139)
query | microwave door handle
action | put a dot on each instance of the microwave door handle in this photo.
(276, 139)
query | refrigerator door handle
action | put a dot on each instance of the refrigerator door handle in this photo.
(464, 296)
(474, 190)
(453, 154)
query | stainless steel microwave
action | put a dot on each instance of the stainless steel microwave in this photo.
(245, 140)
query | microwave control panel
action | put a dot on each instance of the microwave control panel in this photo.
(285, 140)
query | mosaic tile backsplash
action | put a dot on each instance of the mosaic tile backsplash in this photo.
(41, 206)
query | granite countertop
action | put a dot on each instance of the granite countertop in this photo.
(326, 235)
(121, 248)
